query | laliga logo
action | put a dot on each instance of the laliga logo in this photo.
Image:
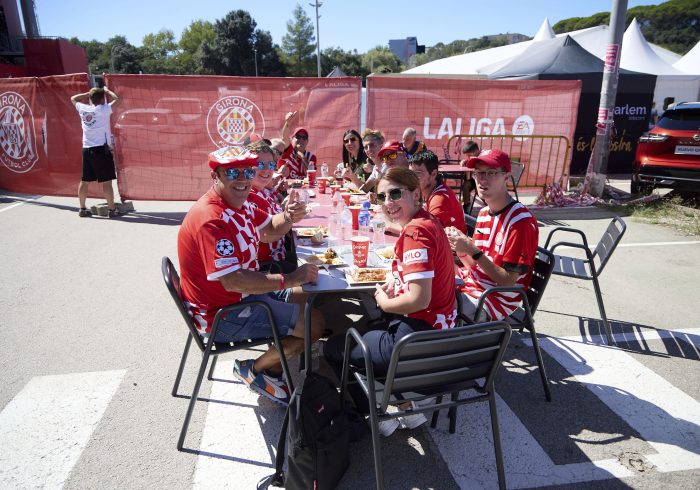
(523, 125)
(233, 119)
(17, 145)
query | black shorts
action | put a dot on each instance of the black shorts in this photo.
(98, 164)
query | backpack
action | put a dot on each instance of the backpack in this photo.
(317, 431)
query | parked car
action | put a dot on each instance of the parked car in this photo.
(668, 155)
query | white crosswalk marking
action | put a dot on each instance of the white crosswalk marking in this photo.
(45, 428)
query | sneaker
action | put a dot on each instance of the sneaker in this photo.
(388, 426)
(84, 213)
(274, 389)
(416, 420)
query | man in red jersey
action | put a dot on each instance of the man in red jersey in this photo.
(295, 160)
(439, 200)
(218, 250)
(503, 248)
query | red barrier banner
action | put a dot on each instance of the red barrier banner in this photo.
(439, 108)
(165, 125)
(40, 135)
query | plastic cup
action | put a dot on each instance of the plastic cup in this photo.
(360, 250)
(322, 182)
(311, 175)
(346, 197)
(334, 189)
(355, 210)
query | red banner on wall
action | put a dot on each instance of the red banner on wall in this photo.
(439, 108)
(40, 134)
(166, 125)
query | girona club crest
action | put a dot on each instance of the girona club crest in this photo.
(233, 119)
(17, 145)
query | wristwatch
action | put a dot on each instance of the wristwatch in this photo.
(477, 255)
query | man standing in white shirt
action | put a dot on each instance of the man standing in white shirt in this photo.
(98, 164)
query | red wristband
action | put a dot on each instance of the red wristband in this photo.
(281, 282)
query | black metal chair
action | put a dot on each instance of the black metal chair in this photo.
(522, 317)
(461, 362)
(587, 269)
(212, 349)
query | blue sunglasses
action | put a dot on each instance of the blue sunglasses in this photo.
(270, 165)
(233, 173)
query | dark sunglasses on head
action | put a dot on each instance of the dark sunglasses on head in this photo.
(350, 140)
(269, 165)
(394, 195)
(302, 136)
(234, 173)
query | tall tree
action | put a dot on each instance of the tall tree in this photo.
(158, 52)
(380, 59)
(348, 61)
(298, 45)
(122, 53)
(232, 52)
(193, 37)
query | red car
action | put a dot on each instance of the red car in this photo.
(669, 154)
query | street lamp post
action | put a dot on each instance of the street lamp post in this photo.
(317, 4)
(255, 54)
(111, 56)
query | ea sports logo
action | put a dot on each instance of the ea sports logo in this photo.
(17, 145)
(233, 119)
(523, 125)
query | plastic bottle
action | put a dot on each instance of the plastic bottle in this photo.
(364, 220)
(334, 230)
(336, 200)
(346, 223)
(379, 224)
(324, 169)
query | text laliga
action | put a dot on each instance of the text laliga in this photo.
(476, 126)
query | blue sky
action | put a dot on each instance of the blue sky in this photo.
(357, 24)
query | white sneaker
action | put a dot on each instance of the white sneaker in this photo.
(412, 421)
(388, 426)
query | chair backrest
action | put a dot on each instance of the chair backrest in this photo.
(608, 242)
(541, 272)
(430, 361)
(172, 282)
(516, 172)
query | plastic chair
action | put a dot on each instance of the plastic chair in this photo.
(522, 317)
(461, 362)
(587, 269)
(212, 349)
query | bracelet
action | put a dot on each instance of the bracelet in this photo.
(282, 288)
(477, 255)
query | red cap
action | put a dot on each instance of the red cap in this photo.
(300, 129)
(232, 157)
(389, 147)
(493, 158)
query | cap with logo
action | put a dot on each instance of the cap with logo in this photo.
(232, 157)
(492, 158)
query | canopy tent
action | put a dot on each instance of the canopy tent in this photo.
(545, 31)
(690, 63)
(564, 59)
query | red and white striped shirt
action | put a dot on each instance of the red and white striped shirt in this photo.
(291, 159)
(509, 239)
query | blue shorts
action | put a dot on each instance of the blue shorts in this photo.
(253, 323)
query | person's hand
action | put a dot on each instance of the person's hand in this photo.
(380, 296)
(347, 173)
(290, 115)
(367, 167)
(294, 207)
(459, 242)
(306, 273)
(388, 287)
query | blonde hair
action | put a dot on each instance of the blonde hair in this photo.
(372, 133)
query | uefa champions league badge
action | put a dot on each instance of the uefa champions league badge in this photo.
(233, 119)
(17, 145)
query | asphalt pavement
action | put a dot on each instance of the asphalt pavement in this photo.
(91, 343)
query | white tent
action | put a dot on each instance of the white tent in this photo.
(545, 31)
(690, 63)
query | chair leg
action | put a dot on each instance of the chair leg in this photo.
(211, 369)
(182, 365)
(193, 399)
(453, 414)
(436, 413)
(601, 307)
(540, 362)
(376, 448)
(497, 441)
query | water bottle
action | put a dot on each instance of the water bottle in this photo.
(379, 224)
(364, 220)
(335, 231)
(324, 170)
(336, 200)
(346, 223)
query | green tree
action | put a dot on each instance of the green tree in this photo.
(298, 45)
(190, 44)
(380, 59)
(232, 51)
(348, 61)
(124, 55)
(158, 53)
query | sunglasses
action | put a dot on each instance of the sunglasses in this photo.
(394, 195)
(302, 136)
(234, 173)
(390, 156)
(349, 140)
(269, 165)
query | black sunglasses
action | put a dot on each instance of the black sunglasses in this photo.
(302, 136)
(394, 195)
(350, 140)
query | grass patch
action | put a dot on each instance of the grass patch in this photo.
(671, 211)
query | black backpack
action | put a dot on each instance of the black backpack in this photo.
(318, 437)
